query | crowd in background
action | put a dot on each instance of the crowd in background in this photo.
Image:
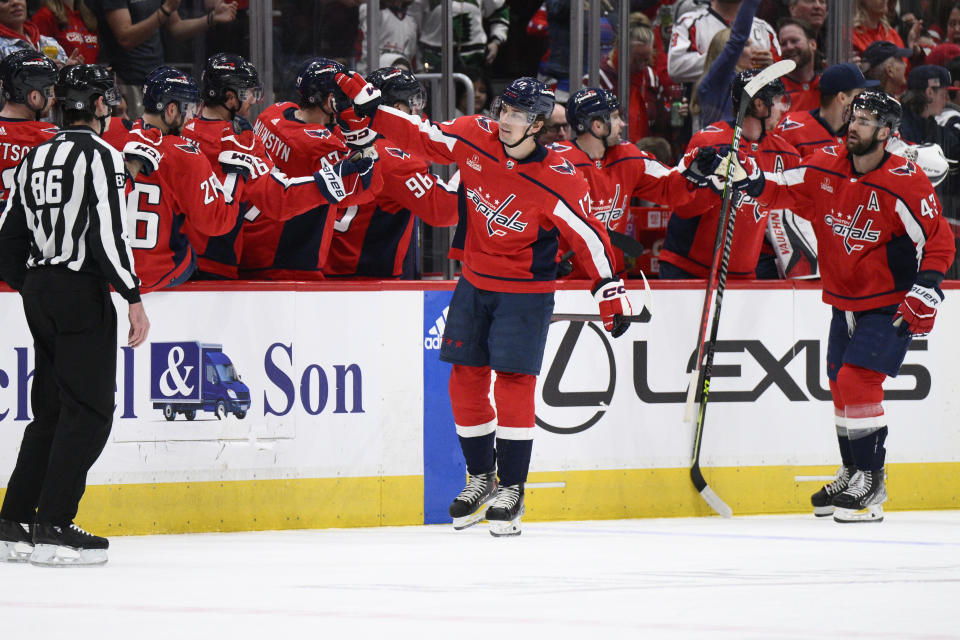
(682, 54)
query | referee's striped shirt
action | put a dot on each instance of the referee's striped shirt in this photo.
(68, 204)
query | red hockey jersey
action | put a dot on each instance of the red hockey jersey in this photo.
(804, 96)
(692, 230)
(874, 232)
(371, 240)
(184, 187)
(116, 133)
(623, 172)
(271, 193)
(294, 249)
(807, 131)
(511, 211)
(17, 137)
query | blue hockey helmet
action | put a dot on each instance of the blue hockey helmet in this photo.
(528, 95)
(398, 85)
(590, 103)
(316, 79)
(167, 84)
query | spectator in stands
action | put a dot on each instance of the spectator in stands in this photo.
(728, 55)
(644, 104)
(870, 24)
(72, 24)
(482, 94)
(16, 32)
(813, 12)
(694, 31)
(953, 24)
(658, 147)
(798, 43)
(473, 46)
(884, 62)
(556, 129)
(399, 31)
(942, 54)
(130, 37)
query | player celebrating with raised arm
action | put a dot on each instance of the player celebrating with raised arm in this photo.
(884, 249)
(517, 197)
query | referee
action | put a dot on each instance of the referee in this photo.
(63, 242)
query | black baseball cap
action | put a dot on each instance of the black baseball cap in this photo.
(845, 76)
(920, 77)
(880, 51)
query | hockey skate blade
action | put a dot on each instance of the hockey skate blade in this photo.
(823, 512)
(873, 513)
(16, 551)
(459, 524)
(51, 555)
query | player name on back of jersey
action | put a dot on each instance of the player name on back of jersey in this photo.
(277, 148)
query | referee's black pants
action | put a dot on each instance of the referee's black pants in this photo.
(74, 327)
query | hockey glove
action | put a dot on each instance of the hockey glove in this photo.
(611, 296)
(241, 124)
(366, 97)
(745, 175)
(356, 131)
(565, 266)
(143, 148)
(918, 309)
(700, 164)
(245, 155)
(330, 179)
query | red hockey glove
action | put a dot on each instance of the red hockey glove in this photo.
(918, 309)
(356, 131)
(366, 97)
(745, 175)
(143, 147)
(611, 296)
(244, 154)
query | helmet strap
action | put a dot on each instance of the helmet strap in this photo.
(527, 134)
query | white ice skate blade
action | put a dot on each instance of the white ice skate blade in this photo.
(821, 512)
(51, 555)
(459, 524)
(16, 551)
(505, 528)
(873, 513)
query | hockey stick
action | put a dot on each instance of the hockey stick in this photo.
(625, 243)
(718, 272)
(646, 313)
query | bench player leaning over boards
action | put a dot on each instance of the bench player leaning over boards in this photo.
(63, 242)
(518, 197)
(884, 248)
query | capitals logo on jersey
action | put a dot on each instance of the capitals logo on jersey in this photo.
(850, 231)
(484, 123)
(786, 124)
(397, 153)
(907, 169)
(565, 168)
(189, 147)
(494, 213)
(607, 211)
(320, 134)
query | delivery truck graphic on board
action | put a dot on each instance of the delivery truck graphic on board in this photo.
(187, 377)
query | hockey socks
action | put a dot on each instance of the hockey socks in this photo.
(513, 460)
(478, 452)
(867, 448)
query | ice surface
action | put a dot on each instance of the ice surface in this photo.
(749, 577)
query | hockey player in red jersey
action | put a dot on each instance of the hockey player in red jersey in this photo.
(884, 249)
(615, 170)
(27, 78)
(229, 87)
(810, 130)
(516, 198)
(691, 233)
(184, 186)
(300, 139)
(372, 240)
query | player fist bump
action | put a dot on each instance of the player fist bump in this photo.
(919, 309)
(243, 154)
(745, 175)
(611, 297)
(366, 97)
(700, 164)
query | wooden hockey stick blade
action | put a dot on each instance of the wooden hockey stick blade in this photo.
(768, 75)
(644, 316)
(709, 495)
(688, 415)
(625, 243)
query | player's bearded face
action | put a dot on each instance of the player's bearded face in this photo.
(862, 136)
(616, 128)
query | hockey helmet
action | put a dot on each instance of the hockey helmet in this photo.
(767, 92)
(590, 103)
(165, 85)
(79, 85)
(399, 85)
(26, 70)
(528, 95)
(316, 80)
(229, 72)
(885, 107)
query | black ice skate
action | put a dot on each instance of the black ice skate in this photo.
(863, 499)
(56, 546)
(823, 500)
(16, 541)
(470, 506)
(505, 511)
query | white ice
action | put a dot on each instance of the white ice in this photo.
(705, 578)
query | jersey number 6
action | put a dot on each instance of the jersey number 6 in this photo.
(145, 224)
